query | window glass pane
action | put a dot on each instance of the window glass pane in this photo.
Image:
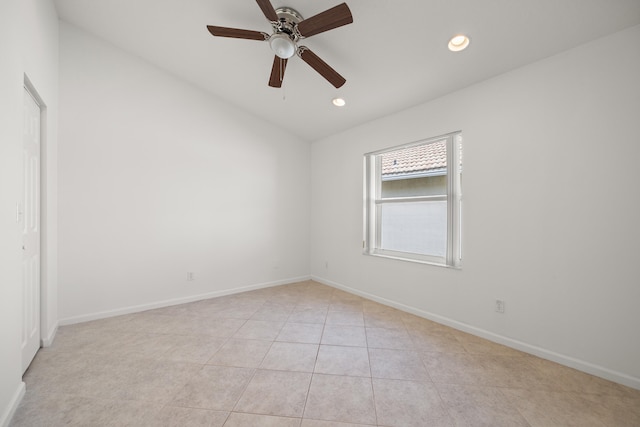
(415, 171)
(413, 201)
(414, 227)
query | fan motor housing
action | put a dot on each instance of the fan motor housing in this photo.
(289, 18)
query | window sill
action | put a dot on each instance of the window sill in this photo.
(414, 260)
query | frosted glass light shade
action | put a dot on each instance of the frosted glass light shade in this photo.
(282, 46)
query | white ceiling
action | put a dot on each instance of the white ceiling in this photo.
(393, 56)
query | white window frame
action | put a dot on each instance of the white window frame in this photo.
(373, 202)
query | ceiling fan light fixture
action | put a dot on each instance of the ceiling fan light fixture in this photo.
(339, 102)
(282, 46)
(458, 42)
(288, 27)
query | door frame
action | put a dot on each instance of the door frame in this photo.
(30, 87)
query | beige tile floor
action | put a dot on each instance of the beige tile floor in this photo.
(302, 355)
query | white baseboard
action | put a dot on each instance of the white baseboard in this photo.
(8, 412)
(166, 303)
(47, 340)
(562, 359)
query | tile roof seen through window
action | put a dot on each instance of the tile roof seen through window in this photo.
(415, 160)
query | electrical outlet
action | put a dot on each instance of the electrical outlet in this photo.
(191, 276)
(499, 306)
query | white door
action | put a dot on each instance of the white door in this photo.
(30, 217)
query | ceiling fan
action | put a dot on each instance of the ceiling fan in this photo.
(289, 28)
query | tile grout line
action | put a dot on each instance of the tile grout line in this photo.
(373, 391)
(306, 399)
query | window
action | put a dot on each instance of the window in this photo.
(413, 203)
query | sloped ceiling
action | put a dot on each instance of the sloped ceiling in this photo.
(393, 56)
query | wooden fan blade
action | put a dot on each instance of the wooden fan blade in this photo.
(277, 71)
(237, 33)
(268, 10)
(321, 67)
(329, 19)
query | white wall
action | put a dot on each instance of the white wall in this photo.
(28, 46)
(11, 385)
(551, 209)
(158, 178)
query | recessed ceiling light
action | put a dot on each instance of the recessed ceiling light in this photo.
(338, 102)
(458, 43)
